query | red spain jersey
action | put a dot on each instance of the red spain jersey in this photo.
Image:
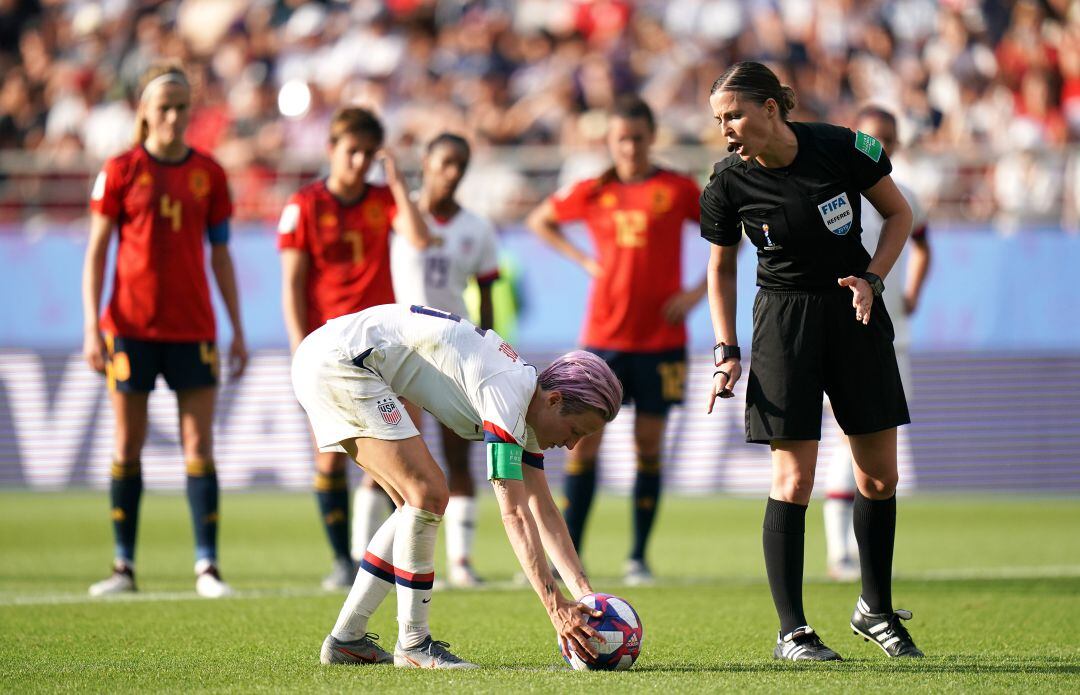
(636, 230)
(348, 247)
(164, 211)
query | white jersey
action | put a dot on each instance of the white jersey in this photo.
(894, 283)
(471, 380)
(461, 247)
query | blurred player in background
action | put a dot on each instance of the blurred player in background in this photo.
(462, 246)
(635, 320)
(334, 238)
(914, 260)
(351, 376)
(166, 200)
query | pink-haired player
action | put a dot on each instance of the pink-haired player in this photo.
(349, 376)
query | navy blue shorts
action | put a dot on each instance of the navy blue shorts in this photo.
(652, 381)
(134, 365)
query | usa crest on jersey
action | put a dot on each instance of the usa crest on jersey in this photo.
(389, 411)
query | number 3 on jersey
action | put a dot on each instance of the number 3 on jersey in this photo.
(173, 211)
(629, 228)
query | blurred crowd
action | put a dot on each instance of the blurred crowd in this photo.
(969, 78)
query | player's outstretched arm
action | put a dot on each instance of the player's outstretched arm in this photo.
(567, 616)
(554, 534)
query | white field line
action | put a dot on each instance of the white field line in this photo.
(941, 575)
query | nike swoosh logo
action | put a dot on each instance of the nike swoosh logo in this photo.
(426, 600)
(361, 657)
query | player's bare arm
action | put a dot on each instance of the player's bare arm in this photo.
(681, 304)
(554, 534)
(544, 224)
(225, 275)
(294, 274)
(409, 223)
(567, 616)
(97, 250)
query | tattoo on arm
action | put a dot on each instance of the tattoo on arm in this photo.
(549, 588)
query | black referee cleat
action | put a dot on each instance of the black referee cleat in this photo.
(885, 630)
(803, 644)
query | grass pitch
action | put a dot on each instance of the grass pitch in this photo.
(994, 584)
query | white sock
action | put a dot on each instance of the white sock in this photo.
(370, 508)
(414, 567)
(460, 523)
(837, 527)
(840, 499)
(373, 582)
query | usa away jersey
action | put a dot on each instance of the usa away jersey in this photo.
(348, 246)
(461, 247)
(636, 229)
(163, 211)
(471, 380)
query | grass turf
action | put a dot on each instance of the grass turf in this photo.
(994, 584)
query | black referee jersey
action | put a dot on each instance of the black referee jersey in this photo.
(803, 218)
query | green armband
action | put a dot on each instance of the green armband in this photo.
(504, 461)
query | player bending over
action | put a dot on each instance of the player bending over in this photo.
(349, 376)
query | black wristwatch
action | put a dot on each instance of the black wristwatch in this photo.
(723, 352)
(875, 283)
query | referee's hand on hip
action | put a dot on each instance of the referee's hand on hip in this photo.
(723, 382)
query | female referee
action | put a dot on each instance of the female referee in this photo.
(794, 189)
(168, 200)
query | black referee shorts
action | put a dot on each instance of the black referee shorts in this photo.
(809, 343)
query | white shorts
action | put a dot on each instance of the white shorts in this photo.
(344, 401)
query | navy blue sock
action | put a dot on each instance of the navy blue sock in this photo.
(202, 494)
(875, 531)
(332, 492)
(646, 499)
(580, 486)
(783, 534)
(125, 492)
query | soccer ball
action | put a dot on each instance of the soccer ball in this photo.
(620, 635)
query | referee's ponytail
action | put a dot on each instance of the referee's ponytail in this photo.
(758, 83)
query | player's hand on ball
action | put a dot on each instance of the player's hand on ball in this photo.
(569, 619)
(94, 351)
(862, 297)
(724, 379)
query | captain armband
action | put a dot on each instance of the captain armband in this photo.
(504, 461)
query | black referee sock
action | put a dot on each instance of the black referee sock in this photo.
(125, 492)
(646, 498)
(202, 494)
(783, 537)
(332, 491)
(875, 530)
(580, 486)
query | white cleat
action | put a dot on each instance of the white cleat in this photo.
(429, 654)
(462, 576)
(638, 574)
(121, 581)
(208, 582)
(845, 570)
